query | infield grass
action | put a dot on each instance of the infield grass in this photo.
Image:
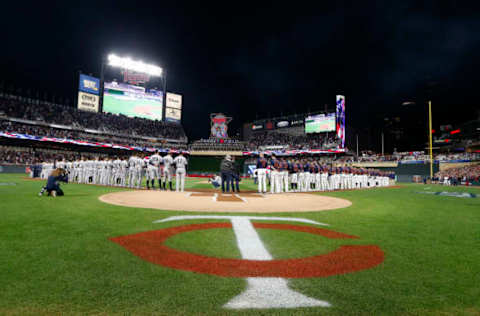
(56, 256)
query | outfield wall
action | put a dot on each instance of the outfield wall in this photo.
(12, 168)
(210, 164)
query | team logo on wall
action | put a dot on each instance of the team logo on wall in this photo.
(267, 278)
(219, 125)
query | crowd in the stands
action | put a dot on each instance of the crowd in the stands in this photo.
(29, 156)
(415, 156)
(464, 174)
(212, 144)
(288, 141)
(45, 131)
(106, 122)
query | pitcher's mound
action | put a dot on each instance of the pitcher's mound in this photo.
(217, 202)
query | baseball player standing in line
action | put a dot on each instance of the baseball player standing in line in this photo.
(306, 176)
(123, 171)
(274, 165)
(131, 170)
(149, 173)
(181, 163)
(262, 173)
(139, 167)
(116, 170)
(294, 175)
(167, 171)
(311, 180)
(153, 169)
(317, 176)
(284, 167)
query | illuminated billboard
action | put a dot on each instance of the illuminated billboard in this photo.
(174, 101)
(88, 102)
(219, 125)
(340, 126)
(89, 84)
(320, 123)
(173, 110)
(173, 115)
(132, 101)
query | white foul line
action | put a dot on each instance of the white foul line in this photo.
(248, 241)
(261, 292)
(241, 198)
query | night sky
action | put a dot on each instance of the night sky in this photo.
(246, 59)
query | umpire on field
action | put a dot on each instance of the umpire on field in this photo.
(226, 167)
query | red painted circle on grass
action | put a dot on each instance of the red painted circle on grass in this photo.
(150, 247)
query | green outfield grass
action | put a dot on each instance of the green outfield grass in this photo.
(56, 256)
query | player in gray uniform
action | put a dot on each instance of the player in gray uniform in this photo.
(123, 172)
(180, 171)
(139, 167)
(116, 171)
(131, 170)
(167, 171)
(153, 164)
(70, 170)
(109, 172)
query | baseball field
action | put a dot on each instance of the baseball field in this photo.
(412, 249)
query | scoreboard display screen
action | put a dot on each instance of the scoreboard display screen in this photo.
(132, 101)
(320, 123)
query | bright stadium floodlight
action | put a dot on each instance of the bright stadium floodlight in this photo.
(138, 66)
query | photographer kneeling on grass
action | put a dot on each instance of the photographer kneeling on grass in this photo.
(53, 187)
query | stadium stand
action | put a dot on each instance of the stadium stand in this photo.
(116, 125)
(215, 144)
(291, 139)
(15, 155)
(461, 175)
(45, 130)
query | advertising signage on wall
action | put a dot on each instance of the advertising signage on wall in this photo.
(89, 84)
(88, 102)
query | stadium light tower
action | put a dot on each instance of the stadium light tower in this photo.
(135, 65)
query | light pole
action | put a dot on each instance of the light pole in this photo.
(430, 143)
(430, 137)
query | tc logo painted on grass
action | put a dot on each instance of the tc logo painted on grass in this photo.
(266, 277)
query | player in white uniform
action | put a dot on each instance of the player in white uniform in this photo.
(262, 173)
(274, 175)
(180, 165)
(167, 171)
(324, 180)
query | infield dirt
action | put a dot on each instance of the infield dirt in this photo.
(218, 202)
